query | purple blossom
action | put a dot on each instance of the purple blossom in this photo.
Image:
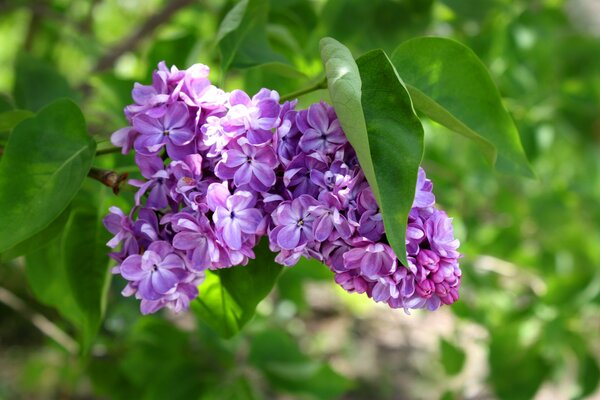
(254, 117)
(156, 272)
(248, 165)
(241, 167)
(294, 223)
(320, 129)
(172, 129)
(234, 215)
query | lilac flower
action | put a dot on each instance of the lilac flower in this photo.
(320, 129)
(240, 168)
(120, 225)
(330, 223)
(248, 165)
(423, 195)
(294, 221)
(158, 184)
(305, 174)
(440, 235)
(195, 236)
(234, 216)
(172, 129)
(373, 260)
(370, 224)
(254, 117)
(157, 271)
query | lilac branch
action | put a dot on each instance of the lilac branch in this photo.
(109, 178)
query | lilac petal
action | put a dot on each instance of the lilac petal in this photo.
(149, 144)
(234, 158)
(243, 175)
(181, 136)
(146, 290)
(323, 228)
(163, 280)
(317, 117)
(158, 196)
(265, 175)
(232, 234)
(176, 116)
(288, 237)
(239, 97)
(147, 126)
(131, 268)
(158, 250)
(248, 220)
(187, 240)
(240, 200)
(217, 194)
(142, 94)
(171, 261)
(259, 136)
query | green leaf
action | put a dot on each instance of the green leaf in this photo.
(278, 356)
(37, 84)
(45, 162)
(589, 375)
(5, 103)
(344, 84)
(523, 364)
(228, 297)
(395, 137)
(10, 119)
(242, 36)
(452, 357)
(449, 84)
(48, 280)
(40, 239)
(84, 255)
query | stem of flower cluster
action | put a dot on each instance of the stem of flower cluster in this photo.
(109, 178)
(322, 84)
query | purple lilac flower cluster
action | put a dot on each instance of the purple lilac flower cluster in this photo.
(224, 169)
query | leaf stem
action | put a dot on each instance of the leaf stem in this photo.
(46, 326)
(322, 84)
(109, 178)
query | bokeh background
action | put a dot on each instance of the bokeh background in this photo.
(528, 322)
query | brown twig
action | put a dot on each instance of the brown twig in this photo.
(108, 178)
(144, 31)
(46, 326)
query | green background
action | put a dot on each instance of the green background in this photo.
(528, 321)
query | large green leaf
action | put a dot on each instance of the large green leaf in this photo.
(278, 356)
(37, 84)
(395, 140)
(228, 298)
(449, 84)
(40, 239)
(242, 36)
(45, 162)
(48, 280)
(10, 119)
(83, 250)
(344, 84)
(70, 273)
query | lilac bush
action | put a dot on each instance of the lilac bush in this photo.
(224, 169)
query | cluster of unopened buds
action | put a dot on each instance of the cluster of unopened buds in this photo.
(224, 169)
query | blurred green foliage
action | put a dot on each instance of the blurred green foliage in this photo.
(531, 283)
